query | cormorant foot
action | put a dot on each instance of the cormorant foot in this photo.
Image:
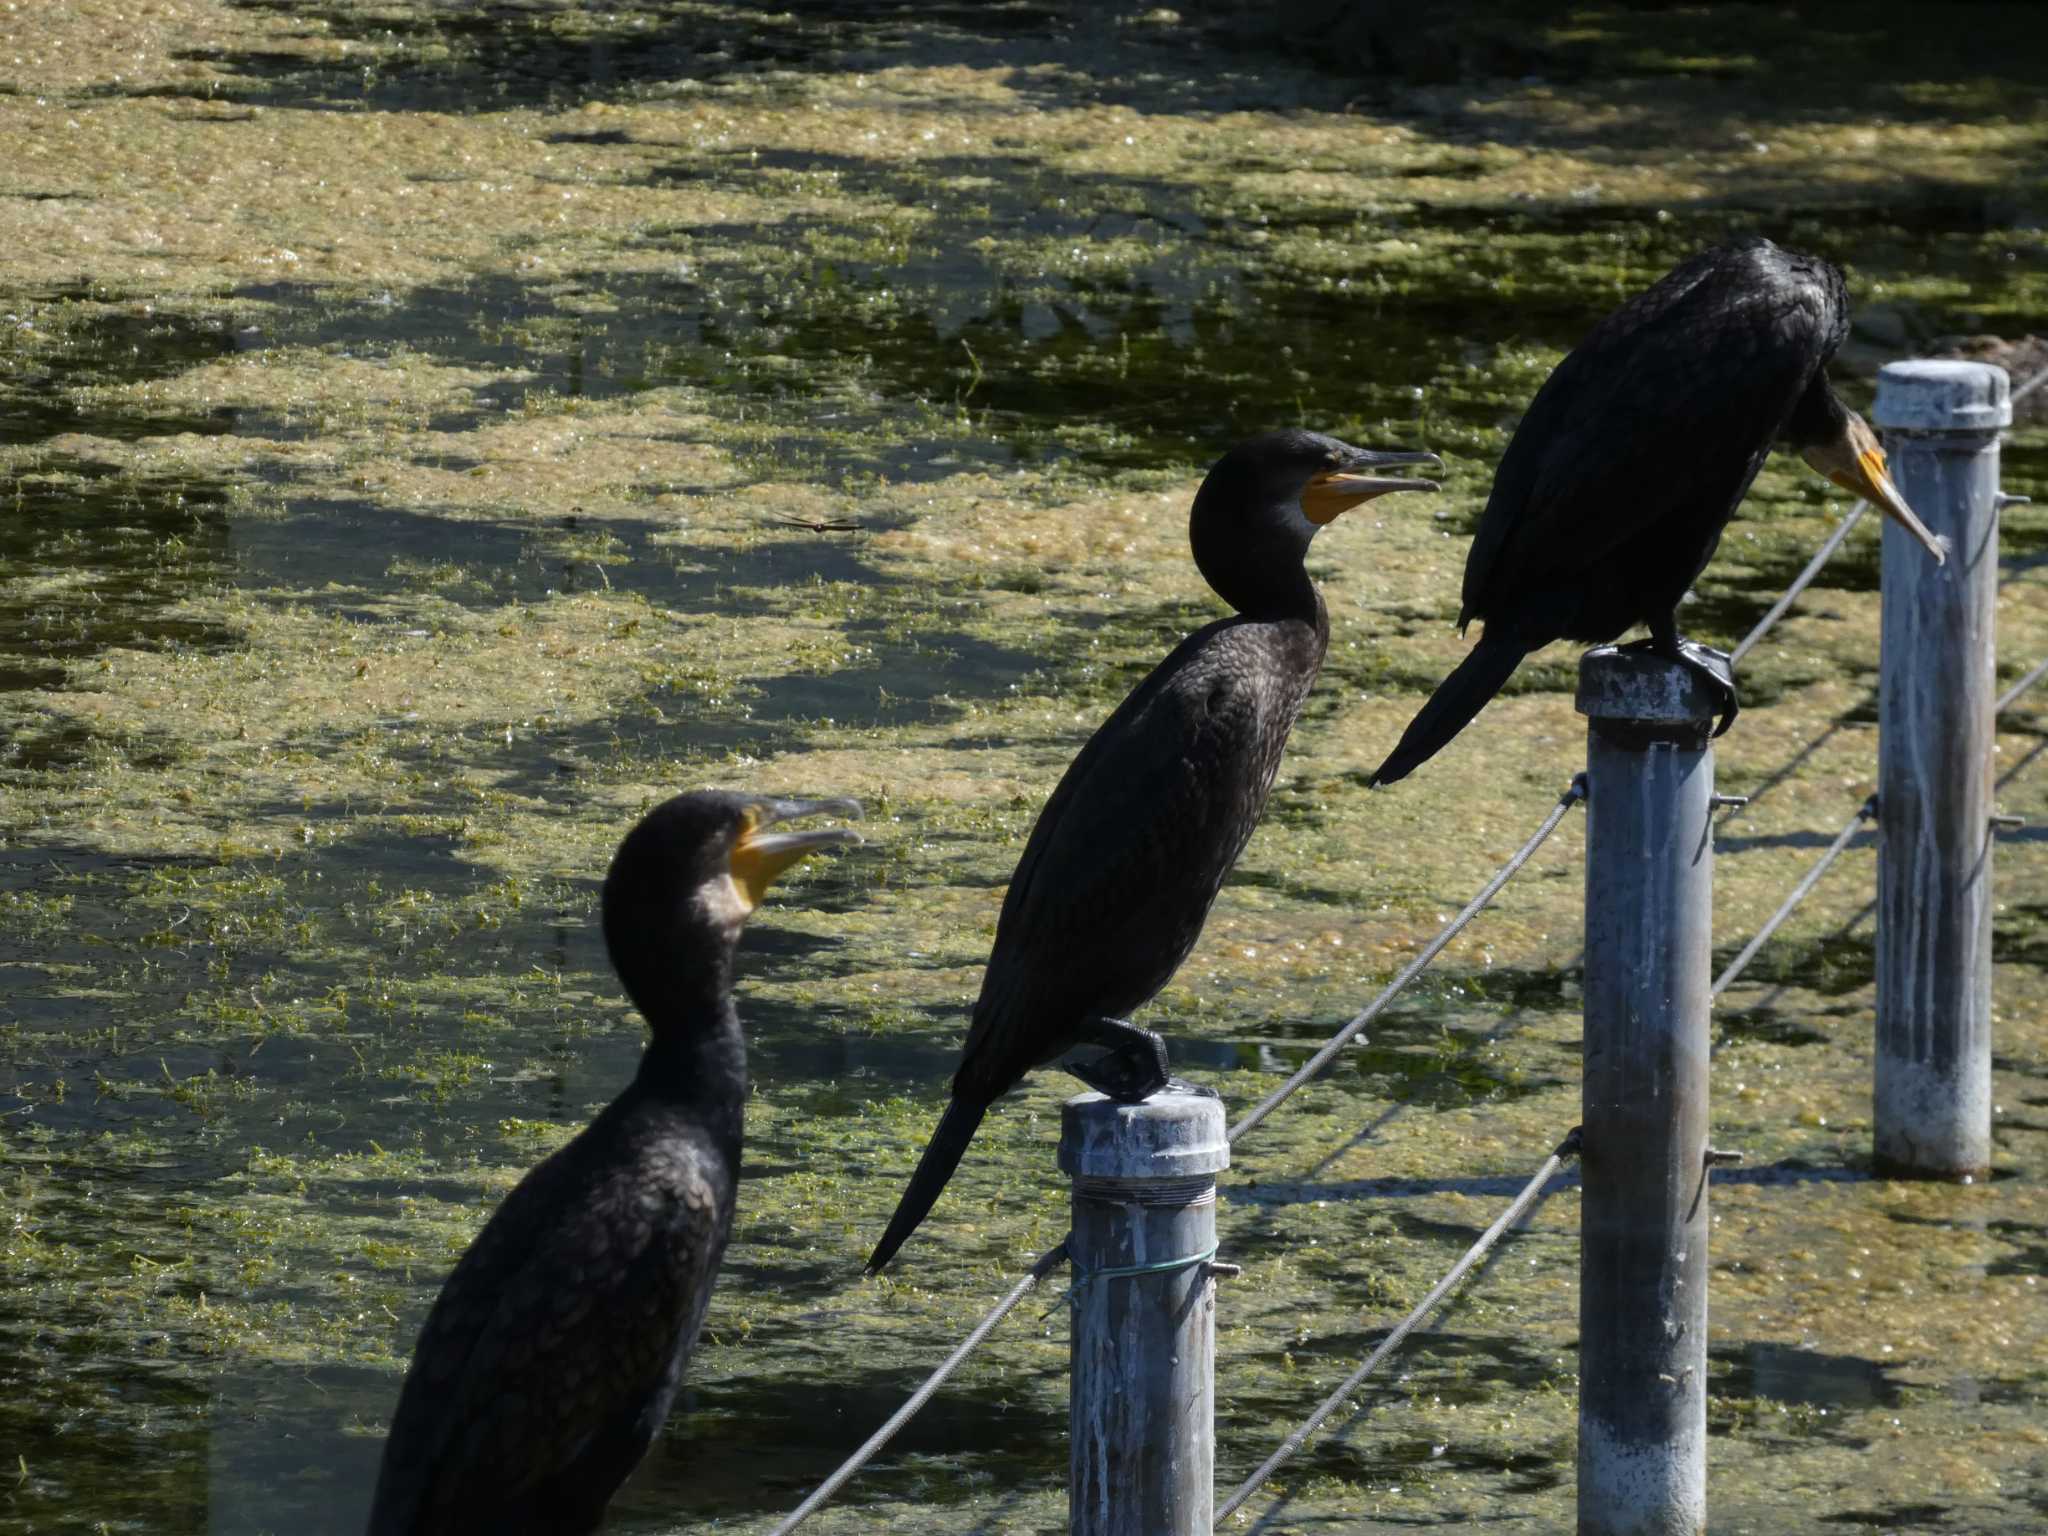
(1712, 667)
(1132, 1068)
(1716, 670)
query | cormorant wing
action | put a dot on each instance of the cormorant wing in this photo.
(1128, 854)
(548, 1343)
(1667, 407)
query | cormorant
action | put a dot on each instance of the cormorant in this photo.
(1128, 854)
(550, 1358)
(1635, 454)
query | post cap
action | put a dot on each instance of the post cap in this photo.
(1616, 683)
(1942, 395)
(1178, 1133)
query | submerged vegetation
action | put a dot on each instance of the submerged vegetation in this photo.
(427, 436)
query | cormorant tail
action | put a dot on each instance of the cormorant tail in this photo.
(1457, 699)
(941, 1156)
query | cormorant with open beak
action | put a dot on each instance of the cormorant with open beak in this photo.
(549, 1361)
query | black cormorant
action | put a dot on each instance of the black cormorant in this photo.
(1633, 457)
(549, 1361)
(1129, 852)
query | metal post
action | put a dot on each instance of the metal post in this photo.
(1932, 1113)
(1144, 1328)
(1643, 1221)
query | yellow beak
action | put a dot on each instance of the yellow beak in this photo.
(1336, 491)
(1873, 482)
(758, 857)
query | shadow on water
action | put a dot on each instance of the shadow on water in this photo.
(94, 555)
(1439, 1366)
(99, 558)
(1190, 343)
(1784, 1373)
(1901, 1517)
(744, 1445)
(79, 345)
(269, 1449)
(328, 551)
(493, 56)
(501, 55)
(147, 1466)
(1188, 337)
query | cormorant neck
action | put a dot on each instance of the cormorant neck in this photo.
(1819, 416)
(1253, 561)
(684, 991)
(699, 1061)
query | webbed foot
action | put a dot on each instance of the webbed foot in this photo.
(1717, 671)
(1712, 667)
(1133, 1067)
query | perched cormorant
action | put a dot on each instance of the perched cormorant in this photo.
(549, 1361)
(1633, 457)
(1129, 852)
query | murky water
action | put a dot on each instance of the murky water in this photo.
(429, 438)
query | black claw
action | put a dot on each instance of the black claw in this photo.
(1714, 668)
(1133, 1067)
(1111, 1074)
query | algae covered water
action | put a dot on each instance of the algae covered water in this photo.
(430, 437)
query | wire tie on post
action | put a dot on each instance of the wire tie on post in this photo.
(1082, 1277)
(1717, 1158)
(2008, 821)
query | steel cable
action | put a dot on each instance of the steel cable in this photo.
(1567, 1148)
(1800, 583)
(1866, 812)
(2005, 699)
(1046, 1263)
(1272, 1101)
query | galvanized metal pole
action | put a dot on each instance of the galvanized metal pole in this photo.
(1932, 1110)
(1144, 1329)
(1643, 1221)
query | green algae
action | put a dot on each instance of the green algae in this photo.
(408, 499)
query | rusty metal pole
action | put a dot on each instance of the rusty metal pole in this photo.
(1932, 1090)
(1643, 1223)
(1143, 1351)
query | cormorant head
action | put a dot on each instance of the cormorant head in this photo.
(1849, 454)
(1264, 500)
(691, 871)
